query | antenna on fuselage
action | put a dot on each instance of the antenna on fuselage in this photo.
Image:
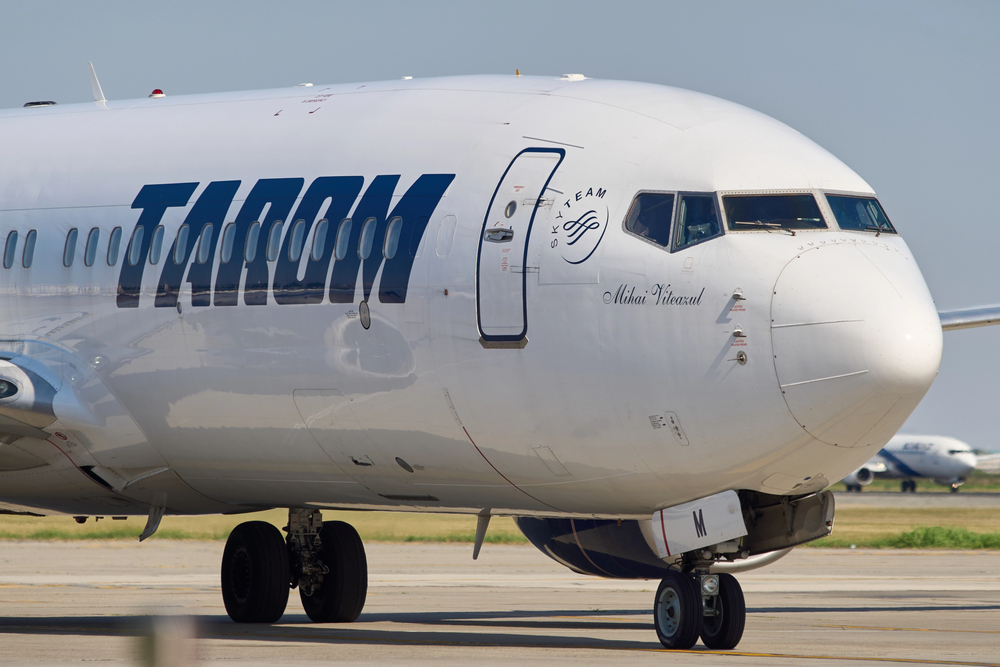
(95, 86)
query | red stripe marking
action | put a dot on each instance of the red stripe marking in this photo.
(663, 529)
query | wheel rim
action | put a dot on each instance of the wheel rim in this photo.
(240, 569)
(713, 624)
(668, 612)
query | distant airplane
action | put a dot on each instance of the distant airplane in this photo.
(651, 324)
(911, 457)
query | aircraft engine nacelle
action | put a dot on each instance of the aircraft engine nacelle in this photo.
(861, 477)
(624, 549)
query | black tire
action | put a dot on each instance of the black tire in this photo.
(255, 573)
(341, 596)
(724, 630)
(677, 611)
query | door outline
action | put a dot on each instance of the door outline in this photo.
(527, 241)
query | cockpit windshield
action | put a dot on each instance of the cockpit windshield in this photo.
(860, 214)
(772, 212)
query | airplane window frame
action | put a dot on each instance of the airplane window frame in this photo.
(180, 243)
(115, 244)
(156, 245)
(228, 243)
(392, 232)
(203, 251)
(341, 245)
(716, 202)
(673, 215)
(296, 240)
(10, 249)
(134, 255)
(69, 250)
(28, 254)
(250, 246)
(273, 248)
(90, 250)
(367, 238)
(891, 229)
(320, 232)
(775, 193)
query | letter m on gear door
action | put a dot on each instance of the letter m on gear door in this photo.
(501, 278)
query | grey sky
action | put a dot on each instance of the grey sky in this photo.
(906, 93)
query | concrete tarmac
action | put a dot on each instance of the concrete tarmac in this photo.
(431, 604)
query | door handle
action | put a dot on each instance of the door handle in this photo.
(499, 235)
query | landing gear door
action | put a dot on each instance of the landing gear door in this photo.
(501, 276)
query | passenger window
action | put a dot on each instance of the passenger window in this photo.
(69, 252)
(772, 212)
(114, 243)
(205, 243)
(367, 236)
(181, 244)
(29, 249)
(392, 237)
(9, 250)
(156, 245)
(343, 238)
(250, 250)
(90, 252)
(228, 239)
(135, 245)
(860, 214)
(649, 217)
(297, 240)
(445, 236)
(319, 239)
(274, 240)
(697, 220)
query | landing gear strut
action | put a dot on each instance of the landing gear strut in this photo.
(329, 566)
(325, 561)
(689, 605)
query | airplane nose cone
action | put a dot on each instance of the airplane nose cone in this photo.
(856, 339)
(968, 462)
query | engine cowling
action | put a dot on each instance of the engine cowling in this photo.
(625, 549)
(863, 476)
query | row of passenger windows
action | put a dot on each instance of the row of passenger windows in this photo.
(203, 250)
(695, 218)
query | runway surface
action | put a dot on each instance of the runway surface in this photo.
(69, 602)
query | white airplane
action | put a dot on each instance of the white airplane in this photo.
(911, 457)
(651, 324)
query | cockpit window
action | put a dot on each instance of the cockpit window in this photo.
(772, 212)
(697, 220)
(860, 214)
(650, 217)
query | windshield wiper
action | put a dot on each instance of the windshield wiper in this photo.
(877, 230)
(759, 224)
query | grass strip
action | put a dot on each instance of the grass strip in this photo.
(921, 537)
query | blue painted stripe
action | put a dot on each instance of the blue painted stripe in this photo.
(902, 467)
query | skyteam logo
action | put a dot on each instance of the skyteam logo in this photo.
(354, 249)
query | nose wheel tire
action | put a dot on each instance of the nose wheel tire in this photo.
(677, 611)
(723, 629)
(255, 573)
(341, 595)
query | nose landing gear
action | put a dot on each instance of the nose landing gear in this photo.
(325, 561)
(690, 605)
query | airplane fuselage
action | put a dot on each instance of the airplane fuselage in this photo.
(495, 337)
